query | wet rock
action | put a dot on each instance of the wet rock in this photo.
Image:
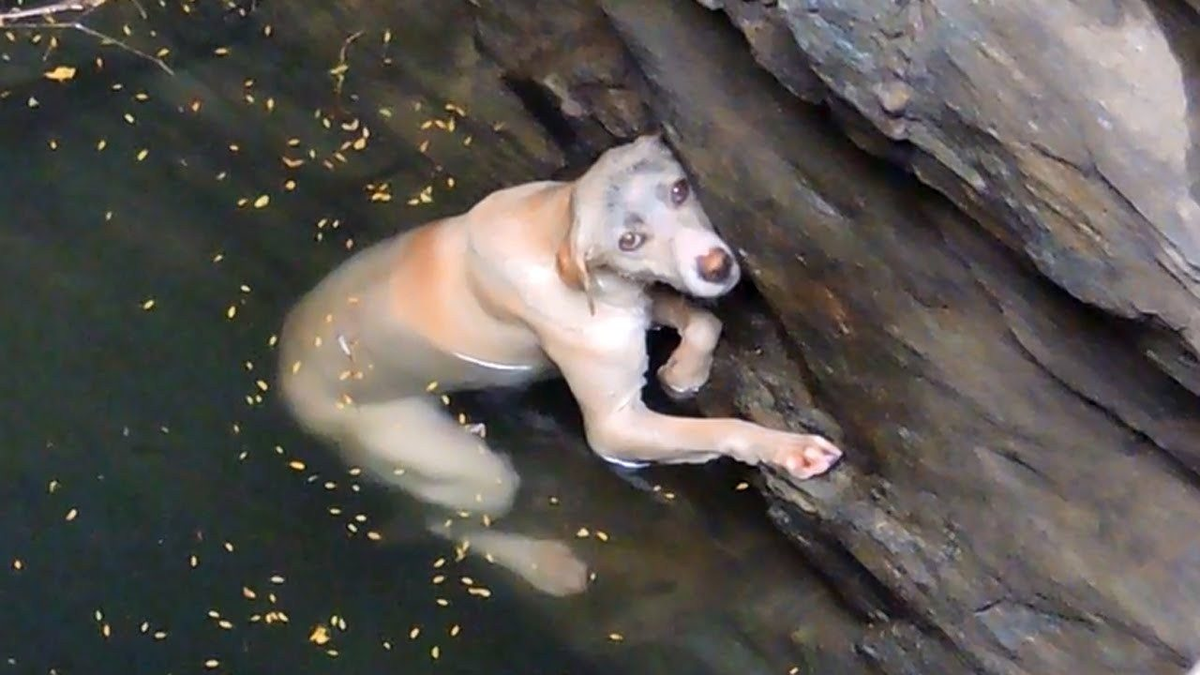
(1009, 357)
(1069, 129)
(1021, 489)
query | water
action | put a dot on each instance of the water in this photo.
(161, 512)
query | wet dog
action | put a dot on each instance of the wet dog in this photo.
(536, 280)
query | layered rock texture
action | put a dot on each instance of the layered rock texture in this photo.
(975, 235)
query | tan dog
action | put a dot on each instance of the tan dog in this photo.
(536, 279)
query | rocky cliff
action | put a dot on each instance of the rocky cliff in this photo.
(974, 231)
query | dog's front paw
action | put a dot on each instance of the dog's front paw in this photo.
(804, 455)
(682, 378)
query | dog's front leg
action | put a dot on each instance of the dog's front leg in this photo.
(688, 367)
(637, 433)
(606, 379)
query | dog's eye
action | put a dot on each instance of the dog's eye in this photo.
(631, 241)
(680, 191)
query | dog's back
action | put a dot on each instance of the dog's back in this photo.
(407, 312)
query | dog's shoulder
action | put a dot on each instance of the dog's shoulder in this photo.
(520, 225)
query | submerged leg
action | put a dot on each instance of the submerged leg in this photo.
(412, 444)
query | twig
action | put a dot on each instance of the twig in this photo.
(339, 71)
(24, 18)
(13, 17)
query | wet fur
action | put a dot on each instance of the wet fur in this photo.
(529, 283)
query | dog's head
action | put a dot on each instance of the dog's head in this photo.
(634, 214)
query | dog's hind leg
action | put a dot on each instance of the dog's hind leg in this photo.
(414, 445)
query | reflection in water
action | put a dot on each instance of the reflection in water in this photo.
(162, 513)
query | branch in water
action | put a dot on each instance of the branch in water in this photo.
(52, 15)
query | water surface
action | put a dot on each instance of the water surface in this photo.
(161, 512)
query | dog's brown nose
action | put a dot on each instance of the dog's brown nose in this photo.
(715, 265)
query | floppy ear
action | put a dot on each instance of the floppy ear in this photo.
(571, 259)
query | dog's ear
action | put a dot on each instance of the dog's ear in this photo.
(571, 259)
(571, 267)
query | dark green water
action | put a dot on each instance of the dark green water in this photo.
(141, 490)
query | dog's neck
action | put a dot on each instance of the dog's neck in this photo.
(603, 285)
(613, 289)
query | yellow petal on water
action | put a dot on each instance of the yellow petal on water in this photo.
(616, 637)
(221, 51)
(101, 144)
(262, 201)
(582, 532)
(72, 514)
(148, 304)
(319, 635)
(435, 652)
(142, 154)
(296, 465)
(212, 664)
(60, 73)
(741, 486)
(231, 312)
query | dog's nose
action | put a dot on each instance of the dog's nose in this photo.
(715, 266)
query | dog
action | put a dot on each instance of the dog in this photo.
(544, 278)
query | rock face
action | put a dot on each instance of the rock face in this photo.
(980, 253)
